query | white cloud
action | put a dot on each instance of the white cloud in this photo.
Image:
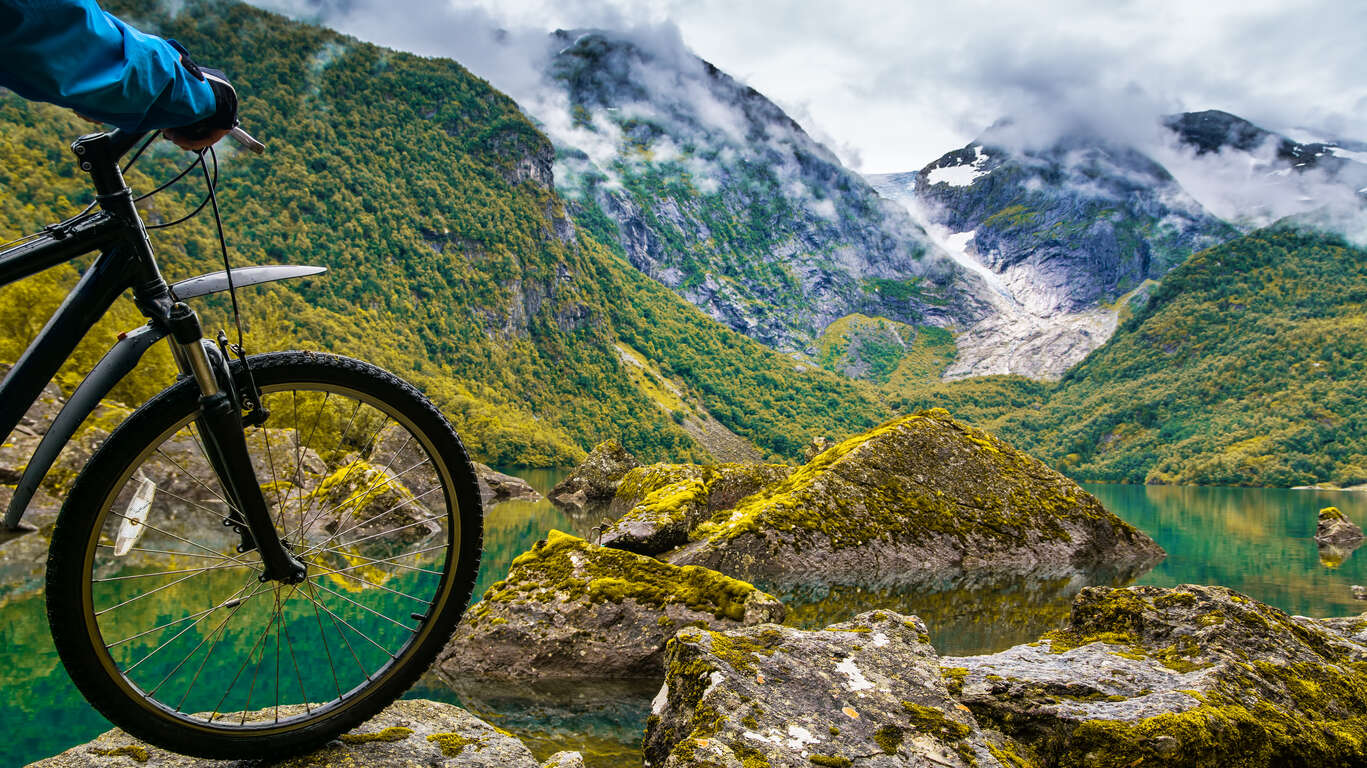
(891, 85)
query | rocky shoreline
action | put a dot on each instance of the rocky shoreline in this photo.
(663, 596)
(1189, 676)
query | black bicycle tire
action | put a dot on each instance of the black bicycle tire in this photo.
(74, 533)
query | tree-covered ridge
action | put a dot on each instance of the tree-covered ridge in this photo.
(1246, 367)
(428, 195)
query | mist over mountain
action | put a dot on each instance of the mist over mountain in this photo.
(714, 191)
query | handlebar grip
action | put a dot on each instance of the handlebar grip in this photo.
(246, 141)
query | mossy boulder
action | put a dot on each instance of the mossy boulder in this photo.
(571, 609)
(595, 480)
(1190, 676)
(1334, 529)
(867, 692)
(920, 495)
(657, 505)
(408, 733)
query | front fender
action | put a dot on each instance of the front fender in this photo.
(118, 363)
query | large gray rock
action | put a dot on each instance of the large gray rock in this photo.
(409, 733)
(1191, 676)
(865, 693)
(1334, 529)
(596, 479)
(916, 498)
(496, 487)
(657, 505)
(570, 609)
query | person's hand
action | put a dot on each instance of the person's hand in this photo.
(194, 144)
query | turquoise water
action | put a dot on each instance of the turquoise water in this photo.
(1254, 540)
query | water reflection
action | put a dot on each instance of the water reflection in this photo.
(1260, 542)
(967, 615)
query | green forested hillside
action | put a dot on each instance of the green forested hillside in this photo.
(1248, 366)
(428, 195)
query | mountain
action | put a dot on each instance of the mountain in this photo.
(453, 260)
(1059, 232)
(1251, 176)
(1244, 367)
(711, 189)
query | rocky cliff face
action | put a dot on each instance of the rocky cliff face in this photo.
(711, 189)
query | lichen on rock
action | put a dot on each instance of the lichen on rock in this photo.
(919, 494)
(866, 692)
(568, 608)
(1193, 676)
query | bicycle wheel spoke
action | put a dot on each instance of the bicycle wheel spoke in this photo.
(218, 634)
(200, 644)
(194, 477)
(163, 573)
(182, 539)
(384, 474)
(368, 609)
(381, 533)
(386, 560)
(333, 617)
(373, 584)
(348, 625)
(370, 520)
(303, 516)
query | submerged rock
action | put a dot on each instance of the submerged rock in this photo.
(596, 479)
(659, 504)
(922, 494)
(868, 692)
(571, 609)
(496, 487)
(1191, 676)
(409, 733)
(1335, 529)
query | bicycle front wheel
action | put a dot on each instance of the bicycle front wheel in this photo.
(164, 624)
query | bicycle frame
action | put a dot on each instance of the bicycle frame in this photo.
(125, 263)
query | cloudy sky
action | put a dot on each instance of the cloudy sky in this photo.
(892, 84)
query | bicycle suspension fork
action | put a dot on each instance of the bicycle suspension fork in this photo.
(221, 427)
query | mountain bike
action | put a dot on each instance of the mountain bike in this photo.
(266, 553)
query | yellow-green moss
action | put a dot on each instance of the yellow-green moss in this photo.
(452, 744)
(888, 738)
(999, 494)
(549, 568)
(932, 722)
(830, 761)
(134, 751)
(393, 733)
(954, 679)
(1332, 513)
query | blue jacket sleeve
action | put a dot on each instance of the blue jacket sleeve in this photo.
(73, 53)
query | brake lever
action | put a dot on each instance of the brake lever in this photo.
(246, 141)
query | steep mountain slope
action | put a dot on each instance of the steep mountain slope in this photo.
(711, 189)
(1066, 227)
(1245, 367)
(429, 195)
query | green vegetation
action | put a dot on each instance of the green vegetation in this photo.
(451, 263)
(1245, 367)
(885, 351)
